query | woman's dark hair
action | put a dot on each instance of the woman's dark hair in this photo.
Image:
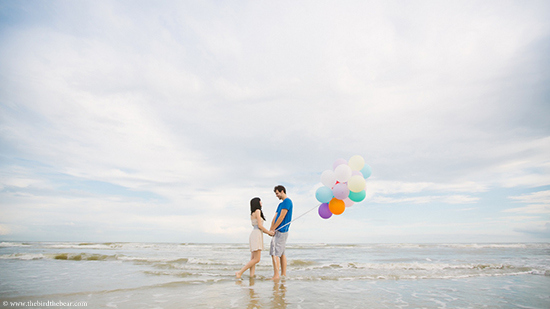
(254, 205)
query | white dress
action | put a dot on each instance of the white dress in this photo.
(256, 238)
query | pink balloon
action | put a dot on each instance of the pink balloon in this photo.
(348, 202)
(324, 212)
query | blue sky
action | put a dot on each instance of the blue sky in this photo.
(159, 121)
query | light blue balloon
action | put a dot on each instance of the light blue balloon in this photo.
(324, 194)
(366, 171)
(357, 196)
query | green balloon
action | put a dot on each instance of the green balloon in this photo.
(357, 196)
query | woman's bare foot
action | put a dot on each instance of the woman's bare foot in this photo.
(237, 275)
(276, 278)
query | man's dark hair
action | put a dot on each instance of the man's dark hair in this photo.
(280, 189)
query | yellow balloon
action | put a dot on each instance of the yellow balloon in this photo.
(336, 206)
(356, 163)
(357, 183)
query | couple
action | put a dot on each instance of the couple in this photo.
(279, 231)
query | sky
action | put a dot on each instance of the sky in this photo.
(158, 121)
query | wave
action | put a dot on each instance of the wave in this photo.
(7, 244)
(408, 246)
(84, 256)
(416, 270)
(179, 263)
(335, 275)
(290, 246)
(299, 263)
(199, 270)
(59, 256)
(499, 246)
(412, 266)
(23, 256)
(110, 245)
(396, 276)
(310, 261)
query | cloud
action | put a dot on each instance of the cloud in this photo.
(181, 112)
(453, 199)
(535, 197)
(524, 163)
(531, 209)
(391, 192)
(539, 203)
(541, 230)
(393, 187)
(4, 230)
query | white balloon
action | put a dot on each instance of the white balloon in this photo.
(328, 178)
(342, 173)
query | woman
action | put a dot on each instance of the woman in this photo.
(256, 238)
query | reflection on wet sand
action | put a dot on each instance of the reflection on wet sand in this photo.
(279, 295)
(277, 301)
(254, 298)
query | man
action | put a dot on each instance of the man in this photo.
(280, 225)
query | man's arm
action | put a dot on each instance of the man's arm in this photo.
(281, 218)
(273, 222)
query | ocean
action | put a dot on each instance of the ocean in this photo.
(187, 275)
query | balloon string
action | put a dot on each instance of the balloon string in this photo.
(280, 227)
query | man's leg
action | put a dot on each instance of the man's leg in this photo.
(283, 265)
(276, 264)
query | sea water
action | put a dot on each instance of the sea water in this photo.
(161, 275)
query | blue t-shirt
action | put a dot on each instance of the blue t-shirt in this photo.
(285, 204)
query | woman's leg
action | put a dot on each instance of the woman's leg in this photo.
(254, 259)
(256, 256)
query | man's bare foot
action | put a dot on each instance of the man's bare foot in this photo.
(276, 278)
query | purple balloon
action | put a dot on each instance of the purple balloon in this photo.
(340, 191)
(339, 162)
(324, 212)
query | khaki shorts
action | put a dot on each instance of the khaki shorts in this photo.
(278, 244)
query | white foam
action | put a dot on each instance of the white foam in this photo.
(7, 244)
(22, 256)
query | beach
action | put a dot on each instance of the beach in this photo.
(161, 275)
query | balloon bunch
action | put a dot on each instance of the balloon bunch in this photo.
(344, 185)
